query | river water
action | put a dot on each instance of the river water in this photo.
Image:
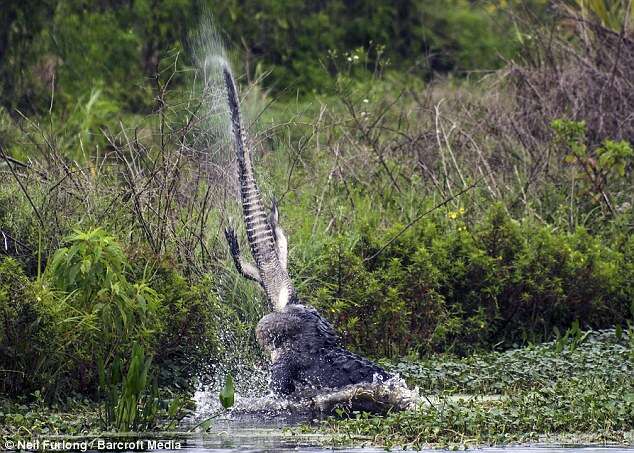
(271, 439)
(255, 434)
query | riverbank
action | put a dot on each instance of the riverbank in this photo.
(577, 390)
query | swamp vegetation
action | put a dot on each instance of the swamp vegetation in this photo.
(458, 201)
(573, 390)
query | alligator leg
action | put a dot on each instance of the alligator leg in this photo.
(278, 234)
(247, 270)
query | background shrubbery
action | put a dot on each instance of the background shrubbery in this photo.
(120, 47)
(449, 285)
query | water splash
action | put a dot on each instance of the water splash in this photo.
(216, 160)
(377, 397)
(309, 404)
(213, 135)
(251, 384)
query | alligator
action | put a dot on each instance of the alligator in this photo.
(306, 352)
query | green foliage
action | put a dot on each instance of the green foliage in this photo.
(444, 285)
(120, 306)
(462, 36)
(91, 270)
(91, 310)
(572, 134)
(615, 156)
(605, 171)
(19, 417)
(131, 399)
(29, 334)
(192, 320)
(584, 355)
(613, 15)
(429, 36)
(60, 51)
(53, 336)
(17, 222)
(94, 44)
(93, 262)
(123, 405)
(24, 67)
(491, 270)
(572, 338)
(82, 130)
(577, 406)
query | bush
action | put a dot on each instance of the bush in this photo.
(447, 286)
(113, 312)
(91, 308)
(189, 341)
(29, 334)
(18, 227)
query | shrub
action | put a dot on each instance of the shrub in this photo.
(92, 270)
(91, 308)
(603, 172)
(445, 286)
(18, 228)
(29, 334)
(189, 340)
(104, 313)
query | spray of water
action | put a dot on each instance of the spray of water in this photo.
(213, 135)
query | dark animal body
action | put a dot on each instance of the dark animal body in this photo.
(306, 353)
(305, 349)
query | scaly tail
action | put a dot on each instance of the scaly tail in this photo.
(272, 275)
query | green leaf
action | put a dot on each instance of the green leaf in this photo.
(206, 424)
(227, 393)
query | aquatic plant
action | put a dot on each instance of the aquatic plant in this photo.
(227, 393)
(603, 354)
(123, 405)
(131, 399)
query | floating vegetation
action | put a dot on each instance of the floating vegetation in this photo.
(521, 395)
